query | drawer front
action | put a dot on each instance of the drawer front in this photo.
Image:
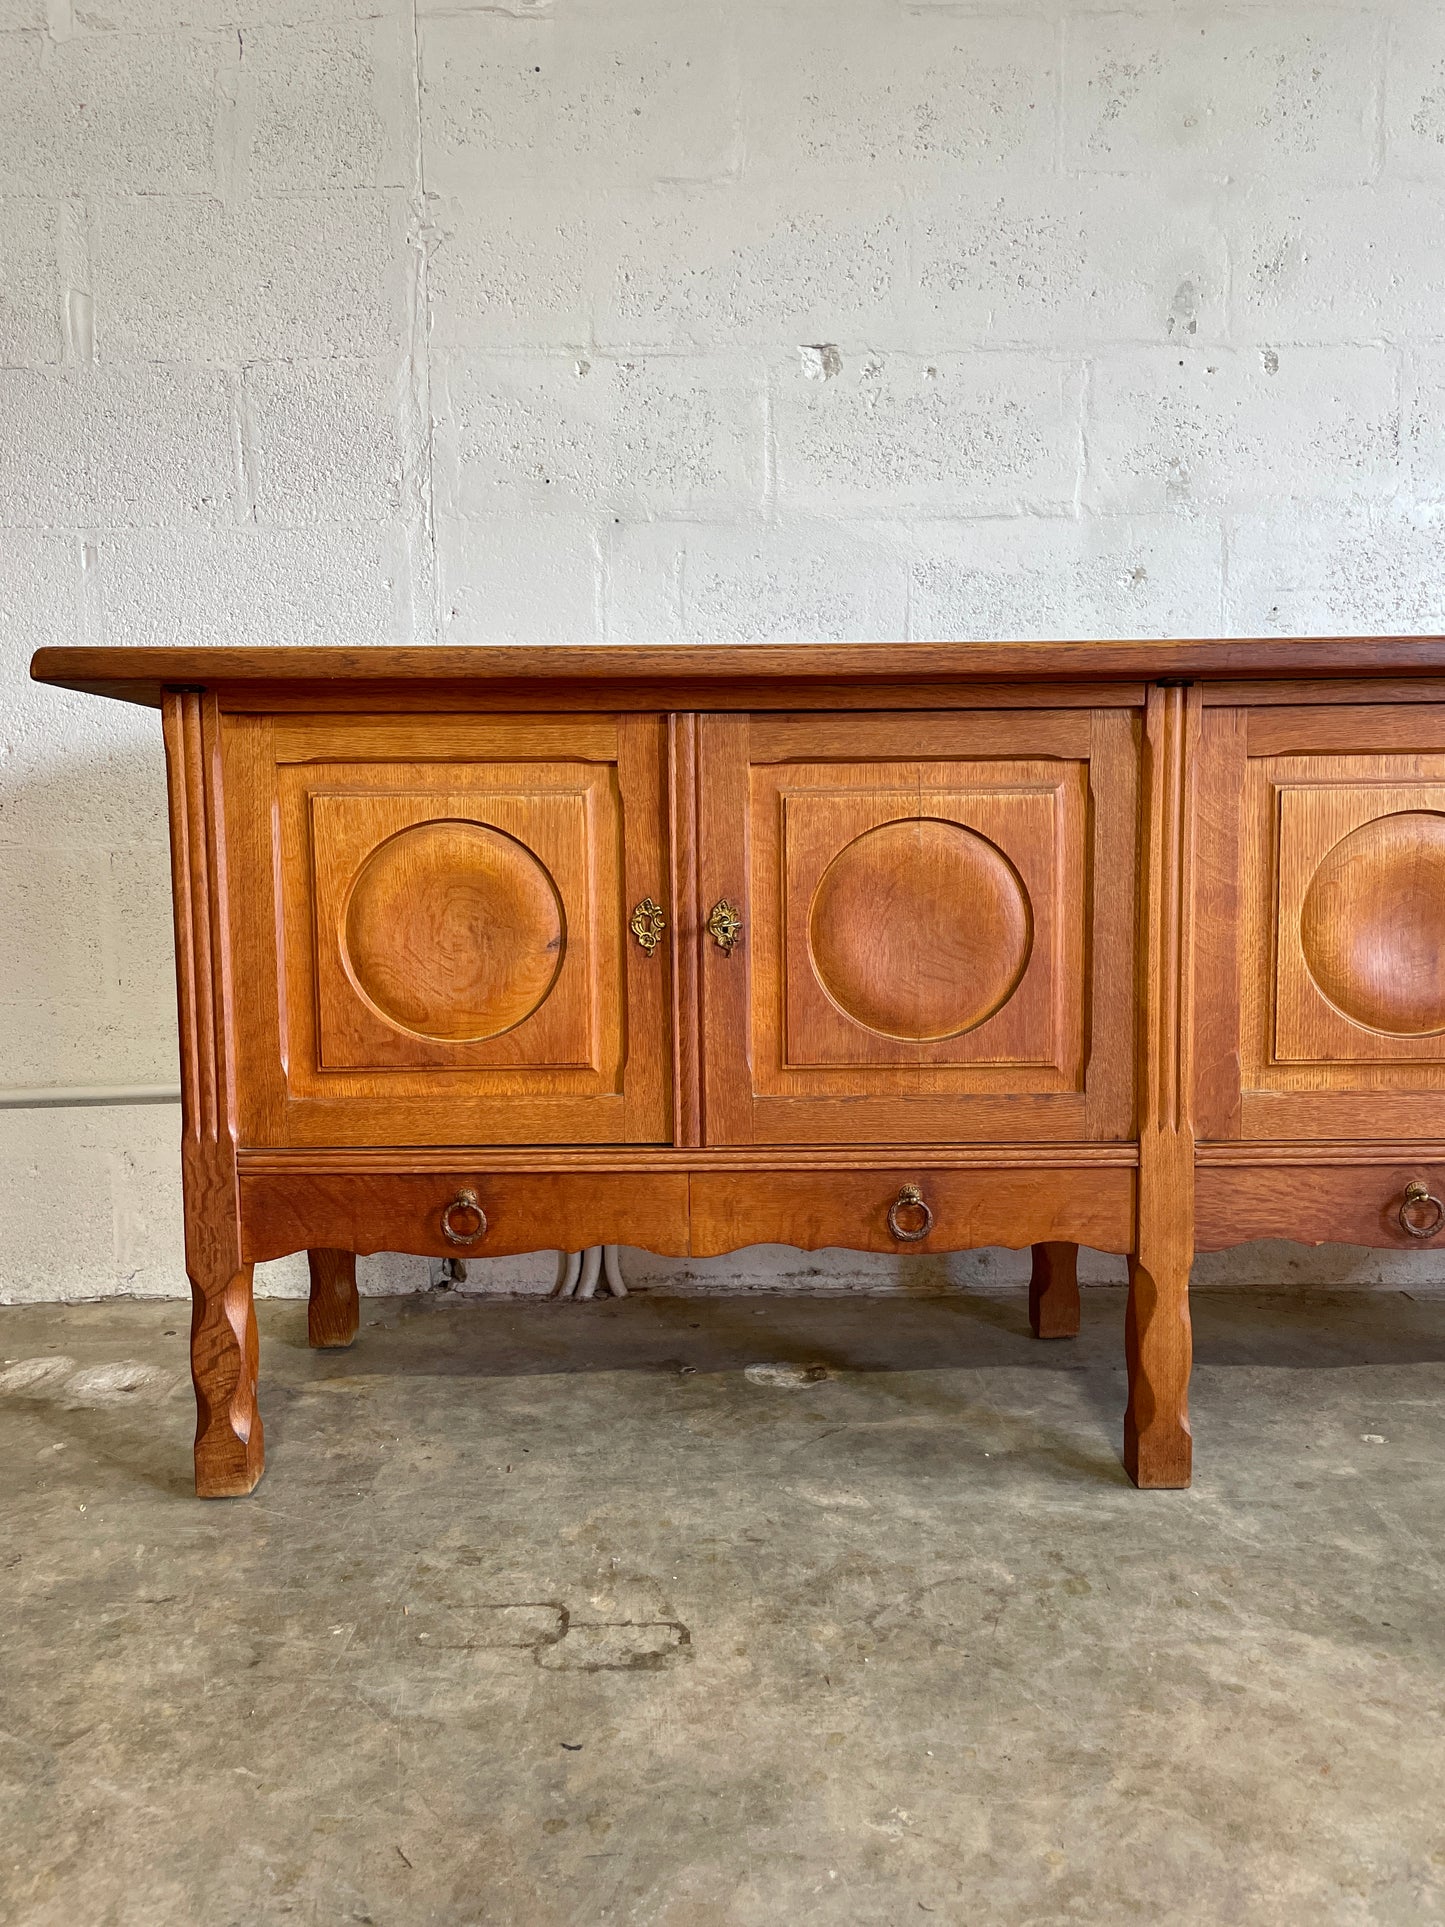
(431, 929)
(912, 1208)
(1322, 940)
(1324, 1203)
(902, 941)
(487, 1215)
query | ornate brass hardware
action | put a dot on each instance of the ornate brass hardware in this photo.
(648, 924)
(724, 926)
(910, 1199)
(1417, 1194)
(469, 1202)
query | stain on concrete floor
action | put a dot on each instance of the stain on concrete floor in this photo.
(550, 1614)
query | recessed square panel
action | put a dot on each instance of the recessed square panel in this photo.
(1319, 980)
(453, 928)
(1360, 922)
(920, 924)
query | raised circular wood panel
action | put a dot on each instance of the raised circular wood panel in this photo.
(920, 929)
(454, 931)
(1373, 924)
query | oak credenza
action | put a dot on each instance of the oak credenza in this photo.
(1139, 946)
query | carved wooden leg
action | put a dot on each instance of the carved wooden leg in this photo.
(1158, 1449)
(225, 1355)
(1054, 1291)
(1158, 1343)
(335, 1310)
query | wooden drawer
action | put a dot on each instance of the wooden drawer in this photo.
(1013, 1207)
(364, 1212)
(1321, 1202)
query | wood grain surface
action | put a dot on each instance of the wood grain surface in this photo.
(230, 1451)
(1355, 1203)
(526, 1211)
(1135, 946)
(334, 1310)
(815, 1210)
(140, 674)
(438, 950)
(916, 960)
(1158, 1444)
(1054, 1291)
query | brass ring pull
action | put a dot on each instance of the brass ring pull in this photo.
(910, 1198)
(724, 926)
(648, 924)
(1417, 1194)
(467, 1201)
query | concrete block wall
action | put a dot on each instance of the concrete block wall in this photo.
(661, 320)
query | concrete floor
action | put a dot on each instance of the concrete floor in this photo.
(551, 1614)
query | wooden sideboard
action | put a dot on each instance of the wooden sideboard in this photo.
(1138, 946)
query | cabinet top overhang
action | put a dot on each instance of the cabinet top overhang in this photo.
(688, 676)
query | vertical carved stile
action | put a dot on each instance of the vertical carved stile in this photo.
(1170, 867)
(682, 841)
(218, 948)
(208, 1116)
(1157, 1443)
(179, 804)
(224, 1344)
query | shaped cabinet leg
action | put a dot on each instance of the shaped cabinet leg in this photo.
(1158, 1449)
(1158, 1343)
(225, 1357)
(1054, 1291)
(335, 1311)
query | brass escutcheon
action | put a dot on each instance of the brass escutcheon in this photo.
(464, 1201)
(724, 926)
(1417, 1194)
(648, 924)
(910, 1198)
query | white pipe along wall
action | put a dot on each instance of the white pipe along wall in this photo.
(661, 321)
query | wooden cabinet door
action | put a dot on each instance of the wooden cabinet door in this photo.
(935, 926)
(1321, 957)
(431, 929)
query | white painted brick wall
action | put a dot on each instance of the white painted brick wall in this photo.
(662, 320)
